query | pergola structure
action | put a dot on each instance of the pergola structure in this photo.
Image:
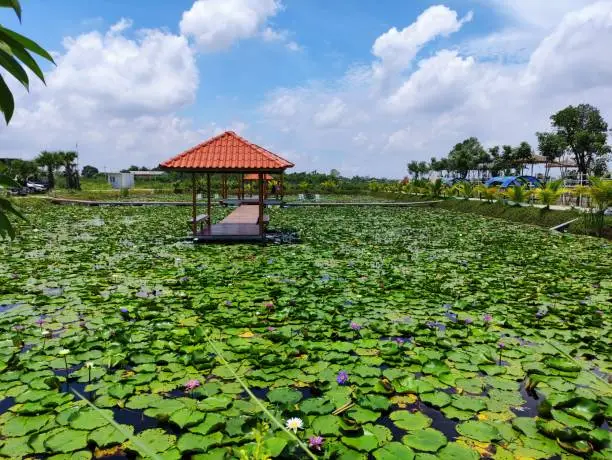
(227, 154)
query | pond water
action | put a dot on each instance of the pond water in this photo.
(290, 319)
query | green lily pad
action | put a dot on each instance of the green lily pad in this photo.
(20, 426)
(155, 440)
(191, 442)
(468, 403)
(318, 406)
(366, 443)
(326, 425)
(393, 451)
(286, 396)
(67, 440)
(410, 421)
(454, 451)
(436, 399)
(427, 440)
(569, 420)
(109, 435)
(187, 417)
(89, 419)
(479, 431)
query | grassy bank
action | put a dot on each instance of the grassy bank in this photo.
(523, 214)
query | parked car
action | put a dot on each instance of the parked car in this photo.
(36, 187)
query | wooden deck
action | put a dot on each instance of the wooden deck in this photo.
(241, 225)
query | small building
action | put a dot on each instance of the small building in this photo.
(121, 180)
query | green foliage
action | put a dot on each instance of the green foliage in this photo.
(15, 57)
(518, 194)
(6, 209)
(201, 313)
(464, 189)
(466, 156)
(551, 193)
(584, 131)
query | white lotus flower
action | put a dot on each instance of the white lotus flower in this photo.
(64, 352)
(89, 365)
(45, 333)
(295, 424)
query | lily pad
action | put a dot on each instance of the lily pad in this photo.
(427, 440)
(479, 431)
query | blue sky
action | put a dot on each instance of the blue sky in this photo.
(326, 83)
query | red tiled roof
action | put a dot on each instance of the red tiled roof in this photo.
(228, 151)
(256, 177)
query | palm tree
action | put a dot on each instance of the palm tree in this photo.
(68, 161)
(435, 188)
(51, 161)
(601, 196)
(486, 193)
(518, 194)
(550, 193)
(601, 193)
(465, 189)
(580, 191)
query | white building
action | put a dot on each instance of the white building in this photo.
(121, 180)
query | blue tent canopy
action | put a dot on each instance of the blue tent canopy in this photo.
(509, 181)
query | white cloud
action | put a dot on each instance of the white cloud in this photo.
(440, 83)
(217, 24)
(116, 96)
(449, 96)
(576, 54)
(330, 114)
(397, 48)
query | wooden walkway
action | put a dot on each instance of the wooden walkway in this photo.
(243, 214)
(242, 224)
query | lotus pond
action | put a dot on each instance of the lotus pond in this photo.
(386, 334)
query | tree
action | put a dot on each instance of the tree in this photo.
(584, 132)
(551, 146)
(521, 155)
(466, 156)
(22, 170)
(334, 173)
(51, 161)
(550, 193)
(14, 56)
(68, 161)
(89, 171)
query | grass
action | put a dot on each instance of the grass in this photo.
(523, 214)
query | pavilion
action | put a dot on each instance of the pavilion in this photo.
(229, 154)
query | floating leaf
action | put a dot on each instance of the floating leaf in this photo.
(480, 431)
(427, 440)
(410, 421)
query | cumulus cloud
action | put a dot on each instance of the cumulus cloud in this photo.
(396, 49)
(217, 24)
(448, 96)
(114, 95)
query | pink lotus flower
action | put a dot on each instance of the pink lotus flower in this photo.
(354, 326)
(315, 442)
(192, 385)
(487, 318)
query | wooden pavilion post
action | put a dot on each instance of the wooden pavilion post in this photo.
(241, 187)
(282, 185)
(208, 195)
(261, 205)
(193, 204)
